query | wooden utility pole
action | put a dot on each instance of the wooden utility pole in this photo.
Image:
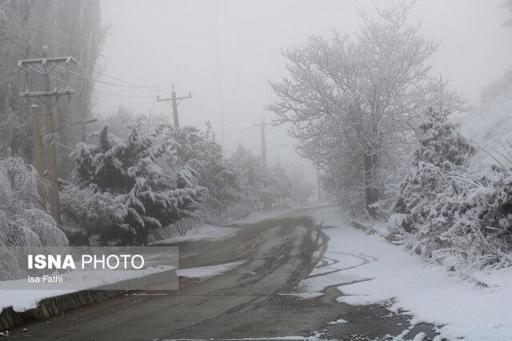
(263, 125)
(174, 101)
(318, 186)
(50, 97)
(37, 149)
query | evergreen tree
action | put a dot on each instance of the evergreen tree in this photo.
(441, 150)
(214, 171)
(435, 199)
(440, 144)
(128, 174)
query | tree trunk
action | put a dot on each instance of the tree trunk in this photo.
(371, 190)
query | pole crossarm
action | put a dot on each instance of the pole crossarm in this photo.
(45, 61)
(55, 92)
(179, 99)
(158, 99)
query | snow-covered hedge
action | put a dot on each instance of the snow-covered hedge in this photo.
(449, 214)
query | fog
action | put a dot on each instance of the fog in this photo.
(226, 51)
(403, 231)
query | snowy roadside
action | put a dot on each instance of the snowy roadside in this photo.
(213, 232)
(23, 299)
(368, 269)
(263, 215)
(200, 232)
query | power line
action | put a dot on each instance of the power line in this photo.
(128, 85)
(133, 83)
(122, 95)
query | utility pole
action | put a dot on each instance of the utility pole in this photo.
(174, 101)
(318, 186)
(37, 149)
(262, 126)
(49, 96)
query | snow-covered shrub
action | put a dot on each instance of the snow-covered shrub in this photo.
(441, 151)
(88, 214)
(494, 212)
(23, 222)
(468, 224)
(128, 189)
(213, 171)
(440, 202)
(446, 212)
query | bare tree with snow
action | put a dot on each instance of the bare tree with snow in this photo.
(354, 101)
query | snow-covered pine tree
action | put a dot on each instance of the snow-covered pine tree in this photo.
(128, 174)
(213, 170)
(442, 149)
(440, 143)
(434, 197)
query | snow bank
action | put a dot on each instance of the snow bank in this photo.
(388, 272)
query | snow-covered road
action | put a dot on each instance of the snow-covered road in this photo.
(369, 270)
(258, 282)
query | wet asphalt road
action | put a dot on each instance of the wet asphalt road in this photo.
(245, 302)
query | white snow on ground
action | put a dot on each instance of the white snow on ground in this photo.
(427, 292)
(305, 295)
(201, 232)
(208, 271)
(212, 232)
(24, 299)
(259, 216)
(339, 321)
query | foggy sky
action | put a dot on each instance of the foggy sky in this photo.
(225, 51)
